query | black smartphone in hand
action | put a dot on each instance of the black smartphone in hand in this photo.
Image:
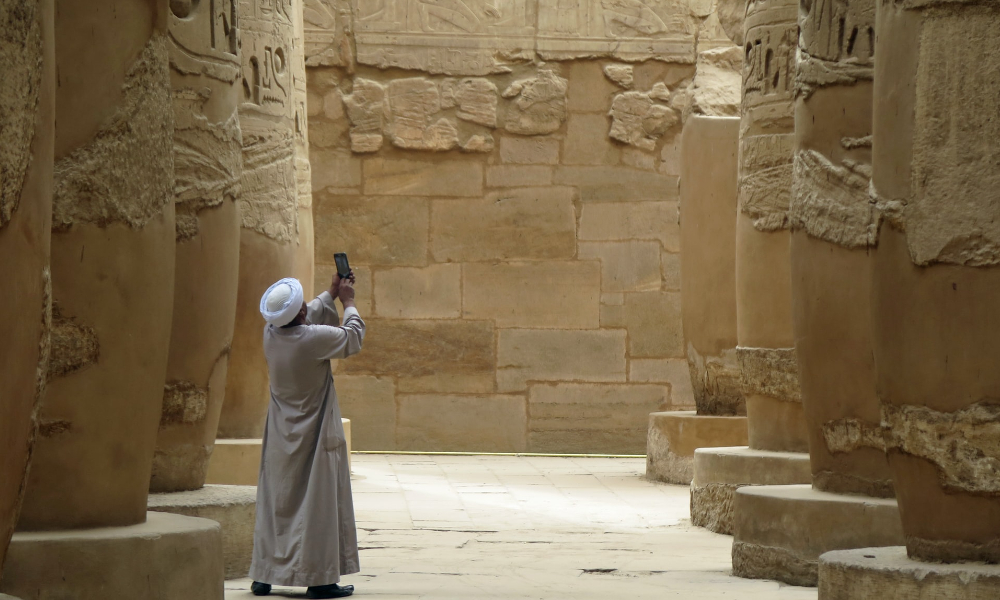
(343, 267)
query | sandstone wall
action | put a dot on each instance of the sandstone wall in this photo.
(504, 178)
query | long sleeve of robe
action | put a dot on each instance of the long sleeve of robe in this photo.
(305, 533)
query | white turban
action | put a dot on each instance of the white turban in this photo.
(281, 302)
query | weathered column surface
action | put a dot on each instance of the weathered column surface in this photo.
(269, 202)
(708, 264)
(834, 228)
(936, 285)
(305, 259)
(766, 350)
(206, 77)
(112, 267)
(26, 141)
(781, 531)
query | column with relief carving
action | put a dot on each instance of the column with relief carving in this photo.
(269, 202)
(935, 292)
(766, 354)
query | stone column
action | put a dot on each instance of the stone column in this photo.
(269, 202)
(27, 118)
(766, 353)
(781, 531)
(112, 267)
(206, 77)
(936, 285)
(935, 292)
(84, 530)
(304, 256)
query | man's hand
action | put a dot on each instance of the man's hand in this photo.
(335, 285)
(345, 292)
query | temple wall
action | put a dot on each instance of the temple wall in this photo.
(504, 177)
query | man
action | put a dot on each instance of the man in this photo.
(305, 534)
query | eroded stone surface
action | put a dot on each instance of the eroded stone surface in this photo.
(367, 108)
(712, 506)
(758, 561)
(716, 88)
(718, 389)
(830, 201)
(538, 104)
(766, 168)
(21, 53)
(637, 120)
(413, 104)
(622, 75)
(73, 346)
(771, 372)
(125, 173)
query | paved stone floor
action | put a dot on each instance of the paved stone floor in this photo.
(466, 527)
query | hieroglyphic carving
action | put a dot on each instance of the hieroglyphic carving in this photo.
(453, 37)
(267, 118)
(539, 104)
(303, 169)
(836, 43)
(413, 103)
(204, 43)
(638, 120)
(125, 174)
(21, 56)
(766, 138)
(326, 33)
(475, 97)
(367, 109)
(630, 30)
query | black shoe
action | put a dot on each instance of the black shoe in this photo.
(329, 591)
(260, 589)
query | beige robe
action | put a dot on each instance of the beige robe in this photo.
(305, 533)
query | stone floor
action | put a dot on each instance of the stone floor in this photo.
(467, 527)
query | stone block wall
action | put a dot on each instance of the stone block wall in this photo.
(513, 223)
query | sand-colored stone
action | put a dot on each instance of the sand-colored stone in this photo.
(936, 277)
(165, 556)
(529, 151)
(538, 104)
(587, 141)
(508, 176)
(525, 355)
(233, 507)
(406, 177)
(370, 405)
(665, 370)
(456, 423)
(592, 418)
(334, 169)
(323, 277)
(673, 437)
(715, 90)
(780, 531)
(205, 76)
(890, 574)
(708, 262)
(27, 103)
(433, 292)
(549, 294)
(641, 118)
(428, 356)
(719, 472)
(590, 90)
(632, 221)
(632, 266)
(112, 268)
(607, 184)
(235, 462)
(653, 320)
(373, 231)
(305, 256)
(834, 223)
(522, 224)
(268, 241)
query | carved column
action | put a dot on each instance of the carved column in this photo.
(936, 284)
(27, 112)
(766, 350)
(834, 227)
(304, 256)
(112, 267)
(207, 84)
(269, 202)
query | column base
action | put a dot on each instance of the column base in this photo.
(719, 472)
(674, 436)
(889, 574)
(237, 462)
(234, 507)
(780, 531)
(169, 557)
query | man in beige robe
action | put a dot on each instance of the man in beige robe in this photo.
(305, 533)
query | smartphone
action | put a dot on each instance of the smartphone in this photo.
(343, 267)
